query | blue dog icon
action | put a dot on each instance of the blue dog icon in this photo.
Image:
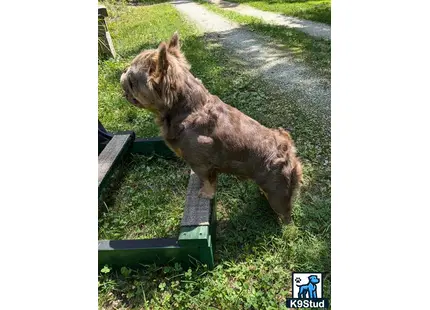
(309, 289)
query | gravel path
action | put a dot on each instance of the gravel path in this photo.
(315, 29)
(264, 59)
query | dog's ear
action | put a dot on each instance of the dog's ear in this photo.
(162, 63)
(174, 42)
(175, 50)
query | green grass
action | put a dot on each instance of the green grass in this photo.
(147, 204)
(132, 31)
(255, 255)
(316, 10)
(312, 51)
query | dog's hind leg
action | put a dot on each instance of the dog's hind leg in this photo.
(302, 292)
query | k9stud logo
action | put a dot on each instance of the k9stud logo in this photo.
(307, 291)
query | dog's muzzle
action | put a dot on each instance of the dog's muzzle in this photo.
(126, 88)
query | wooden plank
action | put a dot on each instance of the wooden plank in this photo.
(197, 210)
(110, 156)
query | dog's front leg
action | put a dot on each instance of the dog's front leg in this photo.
(313, 293)
(209, 182)
(208, 190)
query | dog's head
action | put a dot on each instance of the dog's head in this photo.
(314, 279)
(154, 76)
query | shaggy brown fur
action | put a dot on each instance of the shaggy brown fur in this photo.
(211, 136)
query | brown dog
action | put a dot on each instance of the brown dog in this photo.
(211, 136)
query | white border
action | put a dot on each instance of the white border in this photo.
(380, 153)
(380, 128)
(49, 166)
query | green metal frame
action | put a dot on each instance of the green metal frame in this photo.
(195, 243)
